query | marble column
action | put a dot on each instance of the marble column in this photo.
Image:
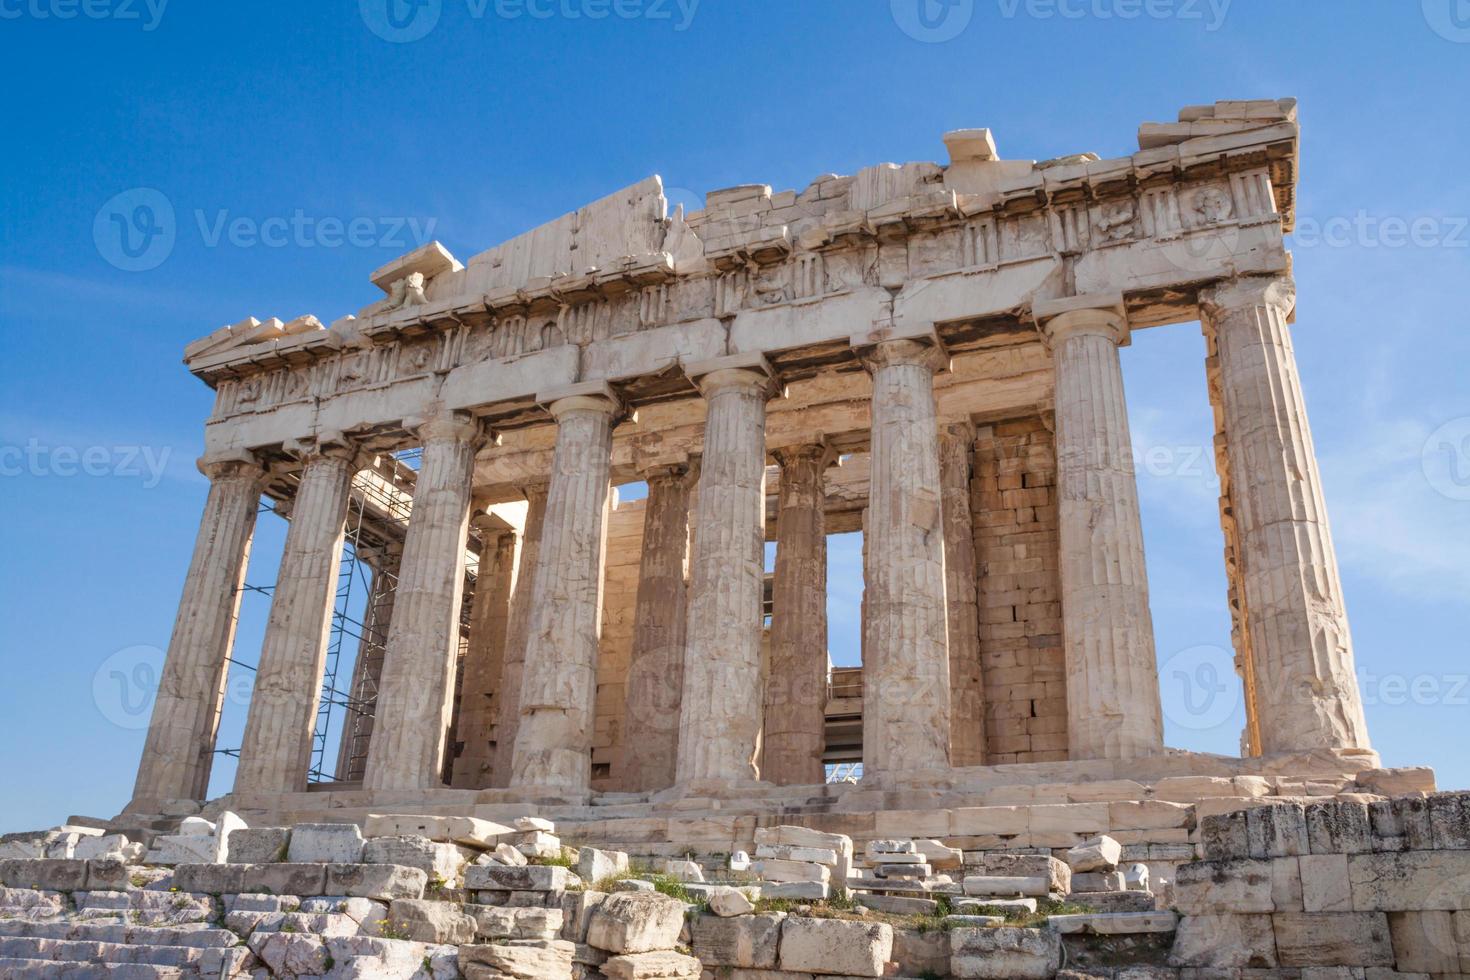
(367, 669)
(656, 665)
(517, 634)
(906, 671)
(1301, 653)
(276, 752)
(796, 689)
(553, 748)
(719, 716)
(1113, 707)
(484, 663)
(966, 684)
(179, 749)
(414, 695)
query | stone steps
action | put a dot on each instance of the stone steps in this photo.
(197, 935)
(191, 961)
(20, 968)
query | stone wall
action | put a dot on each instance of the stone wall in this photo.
(1015, 514)
(1335, 885)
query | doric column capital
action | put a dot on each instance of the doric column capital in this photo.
(456, 427)
(1247, 292)
(750, 372)
(1099, 321)
(667, 473)
(330, 445)
(887, 353)
(956, 438)
(232, 465)
(820, 451)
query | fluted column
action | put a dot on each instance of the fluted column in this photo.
(179, 749)
(1301, 654)
(1112, 678)
(517, 635)
(966, 684)
(656, 666)
(719, 716)
(559, 680)
(367, 669)
(276, 753)
(796, 690)
(484, 662)
(906, 670)
(413, 710)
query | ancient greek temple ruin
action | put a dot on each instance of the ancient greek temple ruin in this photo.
(927, 352)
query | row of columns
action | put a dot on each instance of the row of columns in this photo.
(696, 689)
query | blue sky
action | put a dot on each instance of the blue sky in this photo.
(297, 147)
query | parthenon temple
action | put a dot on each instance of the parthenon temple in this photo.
(928, 353)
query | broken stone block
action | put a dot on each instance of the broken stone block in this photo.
(1097, 881)
(325, 843)
(1100, 853)
(1332, 939)
(47, 874)
(746, 941)
(594, 865)
(469, 831)
(1114, 923)
(196, 827)
(940, 856)
(1004, 886)
(537, 845)
(684, 870)
(287, 879)
(803, 837)
(528, 878)
(1135, 878)
(1449, 821)
(1004, 952)
(525, 824)
(1115, 901)
(877, 847)
(290, 954)
(1224, 942)
(576, 908)
(636, 922)
(650, 966)
(835, 946)
(793, 852)
(726, 901)
(431, 922)
(550, 960)
(811, 891)
(1057, 874)
(975, 906)
(1224, 887)
(633, 885)
(898, 904)
(184, 849)
(778, 871)
(1223, 836)
(381, 882)
(259, 845)
(439, 860)
(498, 924)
